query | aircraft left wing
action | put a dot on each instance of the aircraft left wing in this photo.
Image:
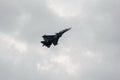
(55, 42)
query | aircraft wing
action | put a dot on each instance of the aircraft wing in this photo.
(48, 45)
(48, 37)
(55, 42)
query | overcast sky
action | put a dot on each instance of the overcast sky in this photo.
(89, 51)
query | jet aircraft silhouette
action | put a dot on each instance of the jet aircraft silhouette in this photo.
(53, 39)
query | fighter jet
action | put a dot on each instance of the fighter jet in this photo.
(53, 39)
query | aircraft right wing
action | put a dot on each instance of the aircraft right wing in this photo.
(48, 37)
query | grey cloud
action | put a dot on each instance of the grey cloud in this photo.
(92, 44)
(9, 11)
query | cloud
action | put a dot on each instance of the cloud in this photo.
(89, 51)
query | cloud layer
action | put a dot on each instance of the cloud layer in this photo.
(89, 51)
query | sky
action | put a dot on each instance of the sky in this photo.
(89, 51)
